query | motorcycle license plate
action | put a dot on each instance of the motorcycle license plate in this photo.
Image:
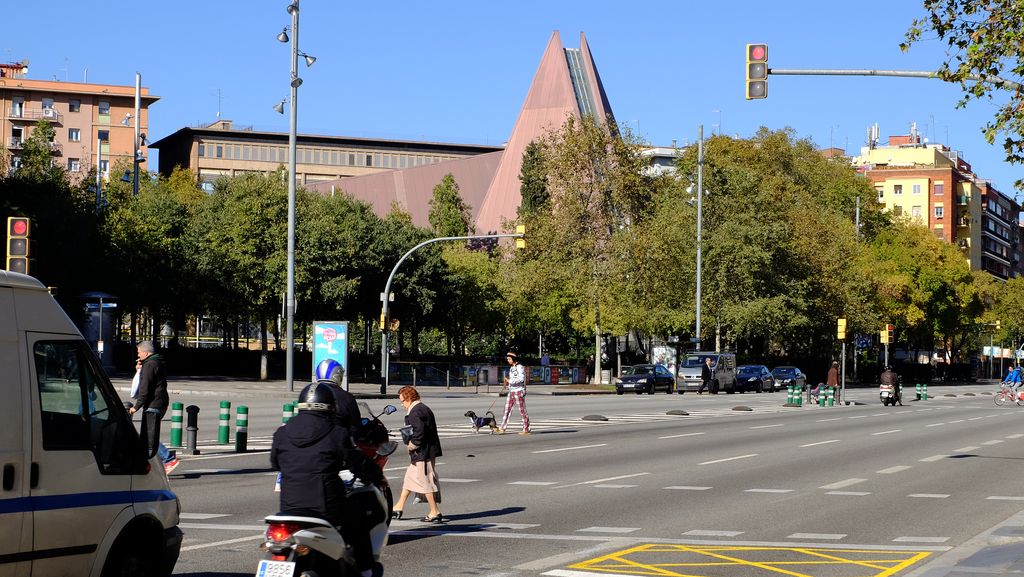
(268, 568)
(885, 393)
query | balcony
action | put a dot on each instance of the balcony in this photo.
(36, 114)
(963, 199)
(56, 148)
(964, 220)
(15, 143)
(964, 243)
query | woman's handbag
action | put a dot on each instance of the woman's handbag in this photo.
(406, 433)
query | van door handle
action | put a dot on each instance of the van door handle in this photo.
(8, 477)
(34, 476)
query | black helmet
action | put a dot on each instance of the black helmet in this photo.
(316, 397)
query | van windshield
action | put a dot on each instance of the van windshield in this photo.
(698, 360)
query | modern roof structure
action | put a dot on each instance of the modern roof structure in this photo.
(566, 84)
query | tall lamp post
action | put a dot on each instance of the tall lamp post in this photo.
(700, 219)
(293, 9)
(136, 156)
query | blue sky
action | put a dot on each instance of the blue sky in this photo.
(458, 71)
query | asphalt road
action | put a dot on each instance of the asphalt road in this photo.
(851, 490)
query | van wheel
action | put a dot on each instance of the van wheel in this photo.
(130, 558)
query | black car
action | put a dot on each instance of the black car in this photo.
(785, 376)
(645, 379)
(755, 378)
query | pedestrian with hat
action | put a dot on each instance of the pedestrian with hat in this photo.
(516, 383)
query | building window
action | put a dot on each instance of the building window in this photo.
(897, 189)
(897, 210)
(105, 168)
(938, 234)
(104, 107)
(369, 160)
(47, 104)
(74, 165)
(202, 149)
(74, 135)
(939, 212)
(915, 211)
(74, 105)
(916, 189)
(351, 159)
(220, 151)
(939, 188)
(881, 192)
(103, 135)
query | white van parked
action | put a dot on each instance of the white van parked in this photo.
(80, 493)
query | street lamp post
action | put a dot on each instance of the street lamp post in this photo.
(700, 219)
(135, 141)
(293, 9)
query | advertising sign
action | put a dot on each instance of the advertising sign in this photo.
(330, 341)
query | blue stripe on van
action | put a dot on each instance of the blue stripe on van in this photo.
(78, 500)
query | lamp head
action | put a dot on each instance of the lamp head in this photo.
(296, 82)
(689, 189)
(293, 7)
(283, 36)
(279, 107)
(127, 177)
(309, 59)
(127, 117)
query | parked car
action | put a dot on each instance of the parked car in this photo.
(755, 378)
(645, 379)
(785, 376)
(723, 369)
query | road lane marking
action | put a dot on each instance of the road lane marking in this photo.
(1004, 498)
(606, 486)
(220, 543)
(570, 448)
(768, 491)
(712, 533)
(928, 495)
(920, 539)
(461, 480)
(843, 483)
(993, 442)
(966, 449)
(831, 536)
(220, 527)
(891, 470)
(879, 414)
(859, 417)
(849, 493)
(597, 481)
(819, 443)
(956, 421)
(682, 435)
(766, 426)
(933, 458)
(975, 418)
(935, 425)
(728, 459)
(620, 530)
(534, 483)
(1016, 436)
(886, 432)
(687, 488)
(827, 420)
(202, 516)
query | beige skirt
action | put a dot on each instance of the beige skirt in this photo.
(422, 478)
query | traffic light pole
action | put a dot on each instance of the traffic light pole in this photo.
(901, 73)
(384, 353)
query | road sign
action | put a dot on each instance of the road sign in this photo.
(330, 341)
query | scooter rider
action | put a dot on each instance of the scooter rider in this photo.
(309, 451)
(331, 372)
(889, 378)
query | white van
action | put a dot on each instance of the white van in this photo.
(723, 372)
(80, 493)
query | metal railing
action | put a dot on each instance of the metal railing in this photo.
(36, 114)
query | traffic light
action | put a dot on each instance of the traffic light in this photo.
(757, 71)
(886, 334)
(18, 228)
(999, 325)
(883, 336)
(521, 241)
(841, 329)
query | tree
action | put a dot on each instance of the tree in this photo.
(37, 155)
(534, 187)
(986, 57)
(449, 215)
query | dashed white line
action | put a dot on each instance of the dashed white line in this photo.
(607, 486)
(461, 480)
(766, 426)
(1004, 498)
(849, 493)
(819, 443)
(933, 458)
(879, 414)
(687, 488)
(956, 421)
(202, 516)
(728, 459)
(570, 448)
(598, 481)
(843, 483)
(1015, 436)
(533, 483)
(859, 417)
(966, 449)
(886, 432)
(975, 418)
(682, 435)
(827, 420)
(891, 470)
(928, 495)
(712, 533)
(935, 425)
(920, 539)
(829, 536)
(221, 543)
(768, 491)
(620, 530)
(993, 442)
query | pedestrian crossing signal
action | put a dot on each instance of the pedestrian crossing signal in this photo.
(841, 329)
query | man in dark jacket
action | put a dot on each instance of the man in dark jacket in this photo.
(706, 374)
(889, 378)
(152, 400)
(310, 450)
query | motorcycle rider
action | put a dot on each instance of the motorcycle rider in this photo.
(888, 377)
(331, 372)
(309, 451)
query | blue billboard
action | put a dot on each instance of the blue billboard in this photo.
(330, 341)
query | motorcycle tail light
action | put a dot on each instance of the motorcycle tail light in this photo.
(279, 532)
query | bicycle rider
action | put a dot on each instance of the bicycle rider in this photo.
(1013, 378)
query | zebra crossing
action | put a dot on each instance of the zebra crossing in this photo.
(454, 430)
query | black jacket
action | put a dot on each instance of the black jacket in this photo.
(424, 433)
(309, 451)
(345, 407)
(152, 385)
(706, 373)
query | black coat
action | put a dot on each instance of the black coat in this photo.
(309, 451)
(424, 433)
(152, 385)
(705, 373)
(345, 407)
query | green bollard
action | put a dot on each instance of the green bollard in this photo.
(798, 395)
(241, 428)
(286, 413)
(789, 395)
(176, 412)
(821, 397)
(917, 391)
(924, 391)
(224, 429)
(830, 394)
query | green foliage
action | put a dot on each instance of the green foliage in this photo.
(533, 178)
(449, 214)
(986, 57)
(37, 156)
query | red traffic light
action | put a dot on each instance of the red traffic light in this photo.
(17, 226)
(757, 52)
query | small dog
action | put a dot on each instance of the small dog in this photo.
(487, 420)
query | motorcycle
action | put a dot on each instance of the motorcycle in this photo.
(888, 395)
(312, 547)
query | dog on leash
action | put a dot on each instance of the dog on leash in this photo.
(487, 420)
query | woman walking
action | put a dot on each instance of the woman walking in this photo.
(424, 448)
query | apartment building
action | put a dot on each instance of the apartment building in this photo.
(220, 149)
(936, 187)
(81, 115)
